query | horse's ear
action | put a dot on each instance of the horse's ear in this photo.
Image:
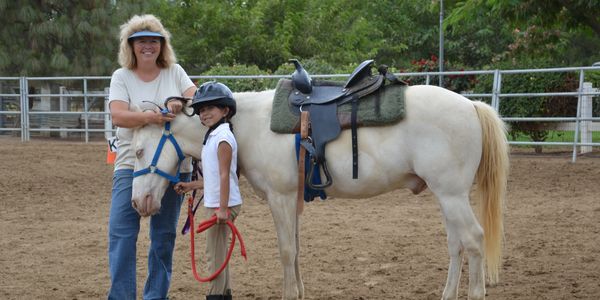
(187, 110)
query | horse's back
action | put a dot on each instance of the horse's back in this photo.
(438, 141)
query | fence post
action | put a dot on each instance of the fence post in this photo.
(45, 106)
(63, 107)
(586, 112)
(496, 86)
(1, 104)
(107, 121)
(24, 109)
(86, 110)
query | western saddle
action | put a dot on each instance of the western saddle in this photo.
(320, 99)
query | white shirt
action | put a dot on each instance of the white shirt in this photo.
(210, 168)
(126, 86)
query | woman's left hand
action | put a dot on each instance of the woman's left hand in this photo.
(174, 106)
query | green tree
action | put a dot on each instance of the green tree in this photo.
(207, 33)
(268, 33)
(58, 38)
(571, 26)
(240, 85)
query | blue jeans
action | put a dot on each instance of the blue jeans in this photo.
(123, 229)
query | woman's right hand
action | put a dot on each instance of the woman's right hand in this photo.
(123, 117)
(159, 118)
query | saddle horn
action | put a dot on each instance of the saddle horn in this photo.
(300, 78)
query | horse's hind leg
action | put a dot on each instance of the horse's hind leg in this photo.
(283, 210)
(464, 235)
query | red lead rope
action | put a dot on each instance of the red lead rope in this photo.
(204, 225)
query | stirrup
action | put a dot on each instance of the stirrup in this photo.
(322, 186)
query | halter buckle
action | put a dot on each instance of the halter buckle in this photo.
(152, 169)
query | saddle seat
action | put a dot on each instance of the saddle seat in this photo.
(360, 83)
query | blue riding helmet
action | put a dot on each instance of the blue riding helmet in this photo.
(214, 93)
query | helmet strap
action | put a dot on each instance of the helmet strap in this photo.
(211, 128)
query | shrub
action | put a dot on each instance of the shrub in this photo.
(241, 85)
(550, 106)
(456, 83)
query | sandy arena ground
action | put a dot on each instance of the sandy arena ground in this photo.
(54, 213)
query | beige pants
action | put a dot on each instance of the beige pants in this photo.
(217, 244)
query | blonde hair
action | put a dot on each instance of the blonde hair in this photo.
(127, 59)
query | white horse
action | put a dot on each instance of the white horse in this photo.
(444, 143)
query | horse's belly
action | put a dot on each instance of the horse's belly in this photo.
(383, 164)
(356, 188)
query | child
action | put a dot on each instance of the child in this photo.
(214, 104)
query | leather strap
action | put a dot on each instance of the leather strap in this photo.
(301, 161)
(354, 138)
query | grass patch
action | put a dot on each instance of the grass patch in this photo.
(555, 136)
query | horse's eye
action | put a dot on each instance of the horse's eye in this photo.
(139, 153)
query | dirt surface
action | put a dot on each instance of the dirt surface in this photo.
(54, 213)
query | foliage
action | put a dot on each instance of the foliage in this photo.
(313, 66)
(544, 34)
(268, 33)
(475, 39)
(547, 106)
(58, 38)
(594, 78)
(573, 26)
(250, 37)
(80, 37)
(456, 83)
(241, 85)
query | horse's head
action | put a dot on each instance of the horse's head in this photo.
(148, 189)
(157, 159)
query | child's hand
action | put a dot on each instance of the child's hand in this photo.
(222, 216)
(181, 188)
(184, 187)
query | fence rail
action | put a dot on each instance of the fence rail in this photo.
(84, 108)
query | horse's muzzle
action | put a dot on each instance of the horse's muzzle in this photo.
(146, 207)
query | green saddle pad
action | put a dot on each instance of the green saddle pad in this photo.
(384, 108)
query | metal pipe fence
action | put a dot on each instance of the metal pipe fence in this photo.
(78, 104)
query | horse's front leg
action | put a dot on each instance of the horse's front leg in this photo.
(299, 281)
(283, 209)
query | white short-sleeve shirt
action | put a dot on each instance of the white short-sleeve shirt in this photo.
(126, 86)
(210, 168)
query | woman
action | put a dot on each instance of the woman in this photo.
(148, 73)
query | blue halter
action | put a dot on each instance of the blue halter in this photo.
(152, 168)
